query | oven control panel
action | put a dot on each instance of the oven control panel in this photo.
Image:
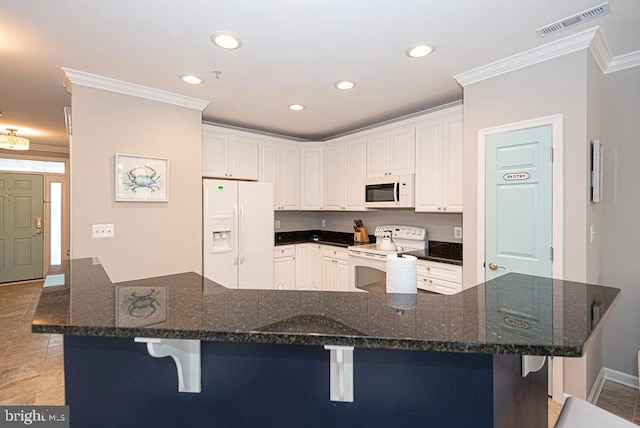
(402, 232)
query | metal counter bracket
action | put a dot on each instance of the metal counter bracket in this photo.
(532, 363)
(341, 373)
(186, 355)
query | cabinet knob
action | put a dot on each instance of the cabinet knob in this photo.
(444, 209)
(439, 208)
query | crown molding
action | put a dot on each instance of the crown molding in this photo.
(622, 62)
(600, 51)
(542, 53)
(75, 77)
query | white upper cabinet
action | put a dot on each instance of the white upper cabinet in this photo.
(311, 193)
(391, 151)
(279, 164)
(226, 154)
(344, 172)
(439, 162)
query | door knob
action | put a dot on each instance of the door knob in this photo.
(494, 266)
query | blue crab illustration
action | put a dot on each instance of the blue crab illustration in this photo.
(143, 177)
(142, 306)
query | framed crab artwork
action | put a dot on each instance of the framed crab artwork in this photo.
(141, 178)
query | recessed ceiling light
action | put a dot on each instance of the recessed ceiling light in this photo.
(226, 40)
(420, 50)
(296, 107)
(344, 84)
(191, 78)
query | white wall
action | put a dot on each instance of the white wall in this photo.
(621, 234)
(151, 239)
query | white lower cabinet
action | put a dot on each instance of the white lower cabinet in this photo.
(284, 267)
(309, 267)
(335, 269)
(440, 278)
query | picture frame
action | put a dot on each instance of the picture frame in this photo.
(141, 178)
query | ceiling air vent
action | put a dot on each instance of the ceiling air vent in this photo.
(572, 20)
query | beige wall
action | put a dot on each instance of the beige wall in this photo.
(556, 86)
(570, 85)
(151, 239)
(621, 234)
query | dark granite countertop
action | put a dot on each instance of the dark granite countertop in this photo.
(513, 314)
(325, 237)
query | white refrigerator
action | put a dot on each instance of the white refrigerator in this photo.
(238, 233)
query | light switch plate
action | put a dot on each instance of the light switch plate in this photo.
(102, 231)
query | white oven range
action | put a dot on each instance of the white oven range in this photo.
(368, 263)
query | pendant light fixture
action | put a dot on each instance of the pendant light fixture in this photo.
(13, 142)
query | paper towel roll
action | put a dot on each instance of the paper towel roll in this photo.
(402, 301)
(402, 273)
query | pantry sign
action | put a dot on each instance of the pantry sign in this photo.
(516, 176)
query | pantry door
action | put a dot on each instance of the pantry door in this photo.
(21, 227)
(518, 202)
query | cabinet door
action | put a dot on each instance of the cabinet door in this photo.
(428, 185)
(333, 177)
(243, 158)
(329, 279)
(311, 179)
(315, 267)
(353, 179)
(269, 170)
(215, 154)
(284, 273)
(452, 164)
(289, 177)
(401, 151)
(342, 274)
(303, 267)
(377, 155)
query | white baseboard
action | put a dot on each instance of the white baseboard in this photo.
(614, 376)
(620, 377)
(597, 387)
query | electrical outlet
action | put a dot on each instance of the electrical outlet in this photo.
(323, 222)
(592, 233)
(277, 224)
(102, 231)
(457, 232)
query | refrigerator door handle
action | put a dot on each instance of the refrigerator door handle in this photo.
(235, 222)
(242, 233)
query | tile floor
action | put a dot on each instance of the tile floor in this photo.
(32, 372)
(31, 365)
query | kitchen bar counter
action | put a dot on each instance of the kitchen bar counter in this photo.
(325, 359)
(514, 314)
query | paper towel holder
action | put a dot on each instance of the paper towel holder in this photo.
(400, 251)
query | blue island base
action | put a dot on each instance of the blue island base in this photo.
(114, 382)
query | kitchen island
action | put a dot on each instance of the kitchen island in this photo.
(285, 358)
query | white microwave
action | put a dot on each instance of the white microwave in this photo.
(391, 191)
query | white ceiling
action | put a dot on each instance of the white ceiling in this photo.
(293, 53)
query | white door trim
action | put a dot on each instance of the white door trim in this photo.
(557, 125)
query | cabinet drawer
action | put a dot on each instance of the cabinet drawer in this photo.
(284, 251)
(442, 271)
(438, 285)
(335, 252)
